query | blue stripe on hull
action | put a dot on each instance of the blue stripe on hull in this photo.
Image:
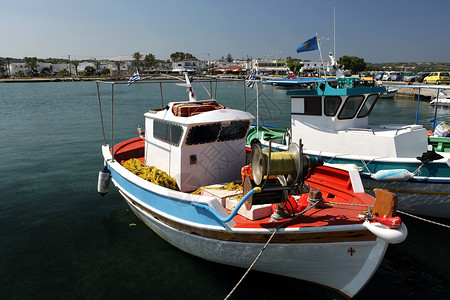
(434, 172)
(176, 208)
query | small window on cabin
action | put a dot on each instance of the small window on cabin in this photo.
(235, 131)
(313, 106)
(350, 107)
(203, 134)
(368, 106)
(332, 105)
(167, 132)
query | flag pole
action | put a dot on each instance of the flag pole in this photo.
(321, 59)
(257, 110)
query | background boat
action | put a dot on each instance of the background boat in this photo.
(389, 94)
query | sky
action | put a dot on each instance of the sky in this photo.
(377, 31)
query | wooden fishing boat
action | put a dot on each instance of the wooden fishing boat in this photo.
(188, 180)
(333, 122)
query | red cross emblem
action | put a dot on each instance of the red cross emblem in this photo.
(351, 251)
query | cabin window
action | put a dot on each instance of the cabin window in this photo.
(167, 132)
(306, 106)
(203, 134)
(217, 132)
(351, 106)
(368, 106)
(234, 131)
(313, 106)
(332, 105)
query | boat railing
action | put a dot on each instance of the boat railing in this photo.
(433, 120)
(370, 130)
(438, 88)
(404, 128)
(158, 80)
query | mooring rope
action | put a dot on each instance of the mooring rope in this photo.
(350, 204)
(267, 243)
(422, 219)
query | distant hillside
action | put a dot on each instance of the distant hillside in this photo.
(410, 67)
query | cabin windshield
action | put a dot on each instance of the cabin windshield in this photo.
(235, 131)
(350, 107)
(167, 132)
(209, 133)
(368, 106)
(332, 104)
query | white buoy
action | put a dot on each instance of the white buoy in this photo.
(104, 178)
(392, 236)
(392, 175)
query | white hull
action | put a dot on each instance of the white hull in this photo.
(327, 264)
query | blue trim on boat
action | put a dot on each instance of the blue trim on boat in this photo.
(430, 170)
(171, 206)
(330, 91)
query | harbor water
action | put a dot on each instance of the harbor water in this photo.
(61, 240)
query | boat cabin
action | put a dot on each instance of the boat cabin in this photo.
(338, 117)
(198, 143)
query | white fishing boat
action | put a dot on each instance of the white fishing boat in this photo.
(333, 123)
(187, 179)
(442, 100)
(389, 94)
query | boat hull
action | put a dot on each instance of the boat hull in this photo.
(331, 264)
(342, 257)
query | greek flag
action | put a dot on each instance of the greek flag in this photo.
(134, 78)
(251, 79)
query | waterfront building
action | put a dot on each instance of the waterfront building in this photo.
(190, 66)
(269, 66)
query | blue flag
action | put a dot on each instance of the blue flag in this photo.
(309, 45)
(134, 78)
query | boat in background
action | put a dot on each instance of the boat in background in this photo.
(442, 100)
(333, 125)
(187, 179)
(389, 94)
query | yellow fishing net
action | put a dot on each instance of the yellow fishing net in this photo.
(151, 174)
(232, 186)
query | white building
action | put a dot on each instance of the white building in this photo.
(269, 66)
(14, 68)
(190, 66)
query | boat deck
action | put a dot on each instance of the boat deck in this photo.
(342, 206)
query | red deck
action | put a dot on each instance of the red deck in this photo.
(334, 184)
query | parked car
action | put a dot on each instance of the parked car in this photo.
(379, 76)
(437, 77)
(386, 76)
(396, 76)
(411, 78)
(421, 76)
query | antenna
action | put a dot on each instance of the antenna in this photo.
(334, 31)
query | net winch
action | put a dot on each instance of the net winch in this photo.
(278, 174)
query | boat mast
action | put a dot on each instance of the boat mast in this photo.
(321, 59)
(334, 31)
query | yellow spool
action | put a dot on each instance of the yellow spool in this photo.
(281, 163)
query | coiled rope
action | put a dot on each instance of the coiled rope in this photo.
(311, 205)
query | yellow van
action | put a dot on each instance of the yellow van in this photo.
(437, 77)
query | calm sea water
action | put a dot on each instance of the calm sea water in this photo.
(61, 240)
